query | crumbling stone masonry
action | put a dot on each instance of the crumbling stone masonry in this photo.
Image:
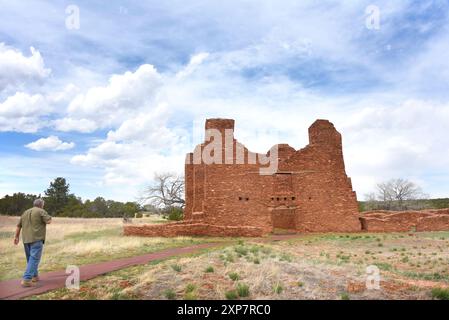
(308, 191)
(405, 221)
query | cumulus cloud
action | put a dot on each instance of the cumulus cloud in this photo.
(138, 148)
(275, 75)
(29, 113)
(124, 95)
(78, 125)
(52, 143)
(22, 112)
(16, 68)
(380, 132)
(195, 61)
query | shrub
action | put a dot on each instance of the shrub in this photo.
(209, 269)
(229, 257)
(243, 290)
(139, 215)
(231, 295)
(278, 288)
(285, 257)
(175, 214)
(190, 287)
(241, 250)
(176, 267)
(440, 293)
(254, 249)
(190, 296)
(169, 294)
(234, 276)
(345, 296)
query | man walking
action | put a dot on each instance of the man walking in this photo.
(33, 223)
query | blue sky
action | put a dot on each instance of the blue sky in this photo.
(111, 103)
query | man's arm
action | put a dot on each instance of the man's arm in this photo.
(46, 217)
(16, 238)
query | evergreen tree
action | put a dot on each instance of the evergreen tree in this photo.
(57, 196)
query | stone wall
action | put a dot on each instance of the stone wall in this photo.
(308, 192)
(191, 229)
(405, 221)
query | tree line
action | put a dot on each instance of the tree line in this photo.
(400, 194)
(59, 202)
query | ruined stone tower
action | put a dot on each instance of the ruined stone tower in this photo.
(232, 191)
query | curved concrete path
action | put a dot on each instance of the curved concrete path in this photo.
(12, 290)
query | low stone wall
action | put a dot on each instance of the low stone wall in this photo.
(434, 223)
(405, 221)
(191, 229)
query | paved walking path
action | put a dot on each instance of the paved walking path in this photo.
(11, 289)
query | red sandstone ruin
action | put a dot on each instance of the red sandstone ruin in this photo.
(405, 221)
(308, 191)
(231, 192)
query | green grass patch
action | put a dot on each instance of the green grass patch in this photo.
(440, 293)
(243, 290)
(190, 287)
(427, 276)
(241, 250)
(278, 288)
(231, 295)
(234, 276)
(170, 294)
(384, 266)
(345, 296)
(176, 267)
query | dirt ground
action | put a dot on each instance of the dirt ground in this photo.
(330, 266)
(78, 241)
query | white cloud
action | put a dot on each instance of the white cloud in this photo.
(141, 146)
(195, 61)
(22, 104)
(381, 132)
(29, 113)
(51, 143)
(23, 112)
(125, 95)
(77, 125)
(275, 74)
(16, 69)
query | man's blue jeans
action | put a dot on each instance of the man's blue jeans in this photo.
(33, 252)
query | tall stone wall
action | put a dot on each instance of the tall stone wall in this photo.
(308, 192)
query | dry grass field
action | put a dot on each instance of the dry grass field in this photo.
(328, 266)
(77, 241)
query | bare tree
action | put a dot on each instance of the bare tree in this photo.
(397, 191)
(166, 191)
(370, 201)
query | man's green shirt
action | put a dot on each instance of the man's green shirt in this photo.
(34, 223)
